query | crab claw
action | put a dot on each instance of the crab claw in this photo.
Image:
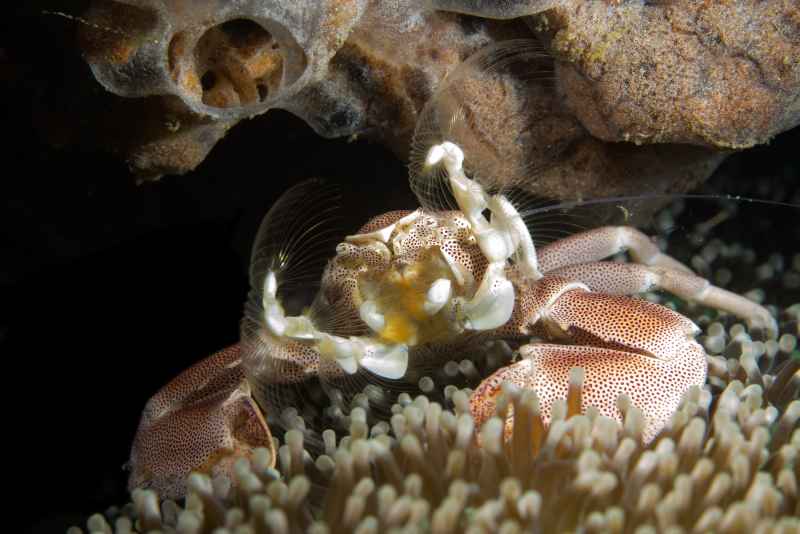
(203, 420)
(625, 347)
(493, 302)
(654, 386)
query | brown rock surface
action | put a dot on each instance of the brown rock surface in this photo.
(717, 75)
(347, 67)
(517, 129)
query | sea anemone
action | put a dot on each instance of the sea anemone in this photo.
(726, 462)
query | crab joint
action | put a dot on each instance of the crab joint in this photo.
(437, 296)
(493, 303)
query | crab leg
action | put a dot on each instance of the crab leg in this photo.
(631, 278)
(630, 346)
(203, 420)
(600, 243)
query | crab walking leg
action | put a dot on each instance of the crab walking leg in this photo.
(631, 278)
(203, 420)
(600, 243)
(653, 385)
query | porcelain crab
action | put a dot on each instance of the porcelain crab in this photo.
(413, 286)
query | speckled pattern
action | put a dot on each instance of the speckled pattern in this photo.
(383, 220)
(625, 346)
(202, 420)
(601, 243)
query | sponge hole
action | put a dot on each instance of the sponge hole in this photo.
(241, 64)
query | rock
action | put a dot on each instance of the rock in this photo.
(347, 68)
(635, 84)
(716, 74)
(517, 130)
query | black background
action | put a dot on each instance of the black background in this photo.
(108, 288)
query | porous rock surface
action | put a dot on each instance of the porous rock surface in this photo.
(645, 92)
(715, 74)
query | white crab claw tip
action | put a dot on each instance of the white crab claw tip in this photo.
(391, 363)
(451, 148)
(275, 319)
(270, 284)
(348, 365)
(370, 314)
(345, 352)
(438, 295)
(493, 309)
(435, 155)
(448, 152)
